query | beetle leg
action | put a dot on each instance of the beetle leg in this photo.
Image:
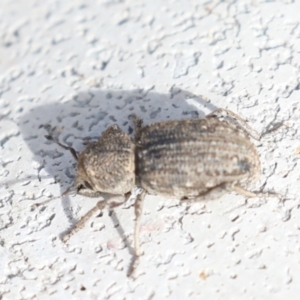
(219, 191)
(212, 194)
(99, 206)
(138, 124)
(241, 191)
(138, 210)
(225, 114)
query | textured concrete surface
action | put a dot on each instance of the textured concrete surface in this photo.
(84, 65)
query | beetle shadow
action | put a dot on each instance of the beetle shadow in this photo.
(87, 115)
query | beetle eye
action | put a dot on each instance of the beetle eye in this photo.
(87, 185)
(84, 185)
(80, 187)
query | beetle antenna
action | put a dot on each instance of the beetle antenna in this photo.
(72, 150)
(50, 137)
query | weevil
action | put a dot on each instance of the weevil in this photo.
(191, 160)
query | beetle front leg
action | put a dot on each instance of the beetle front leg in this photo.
(100, 206)
(89, 193)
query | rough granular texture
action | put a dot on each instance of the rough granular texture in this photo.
(84, 65)
(108, 165)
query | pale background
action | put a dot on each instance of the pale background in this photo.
(84, 65)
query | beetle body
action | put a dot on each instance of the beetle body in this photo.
(187, 158)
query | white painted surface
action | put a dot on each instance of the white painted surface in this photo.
(84, 65)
